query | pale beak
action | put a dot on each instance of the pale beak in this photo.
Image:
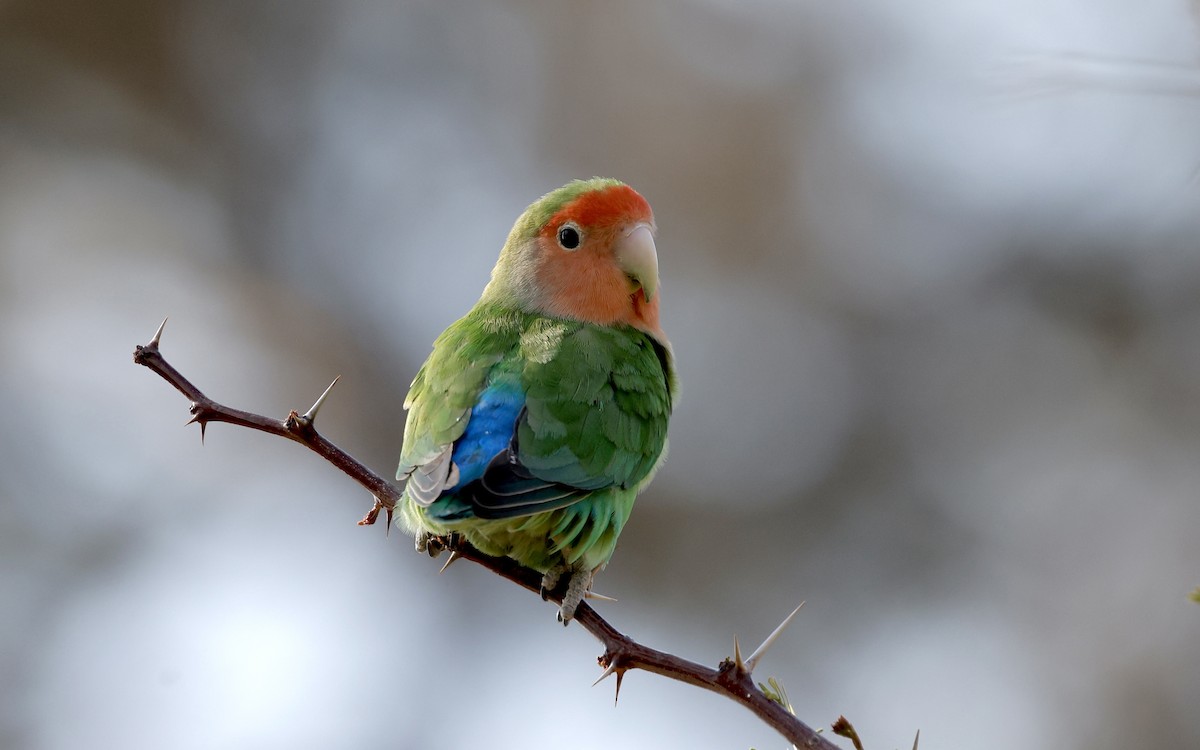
(637, 257)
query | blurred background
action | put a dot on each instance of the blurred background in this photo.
(932, 273)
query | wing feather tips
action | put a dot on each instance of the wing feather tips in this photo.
(509, 489)
(427, 481)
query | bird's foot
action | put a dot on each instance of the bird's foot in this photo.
(577, 588)
(551, 579)
(434, 545)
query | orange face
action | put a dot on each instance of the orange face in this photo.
(596, 261)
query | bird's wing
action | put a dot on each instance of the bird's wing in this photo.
(595, 411)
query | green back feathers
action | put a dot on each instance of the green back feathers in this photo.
(597, 398)
(597, 410)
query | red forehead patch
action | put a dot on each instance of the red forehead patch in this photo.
(612, 205)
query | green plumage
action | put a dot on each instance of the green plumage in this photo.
(531, 430)
(594, 421)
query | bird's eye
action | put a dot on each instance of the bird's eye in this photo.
(569, 236)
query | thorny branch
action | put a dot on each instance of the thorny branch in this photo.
(730, 678)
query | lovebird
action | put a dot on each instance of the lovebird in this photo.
(542, 413)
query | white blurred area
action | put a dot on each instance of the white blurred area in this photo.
(932, 273)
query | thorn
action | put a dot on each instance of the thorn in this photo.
(599, 597)
(455, 555)
(390, 511)
(612, 669)
(157, 335)
(737, 657)
(616, 669)
(752, 662)
(311, 414)
(197, 419)
(917, 739)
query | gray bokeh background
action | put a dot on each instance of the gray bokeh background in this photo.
(932, 273)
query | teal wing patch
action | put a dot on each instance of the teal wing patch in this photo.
(441, 396)
(596, 405)
(597, 401)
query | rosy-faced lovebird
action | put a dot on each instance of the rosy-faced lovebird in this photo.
(543, 412)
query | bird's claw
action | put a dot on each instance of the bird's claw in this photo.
(550, 580)
(434, 545)
(577, 588)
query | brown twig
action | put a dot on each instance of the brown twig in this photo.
(843, 728)
(730, 678)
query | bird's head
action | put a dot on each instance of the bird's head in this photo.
(586, 252)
